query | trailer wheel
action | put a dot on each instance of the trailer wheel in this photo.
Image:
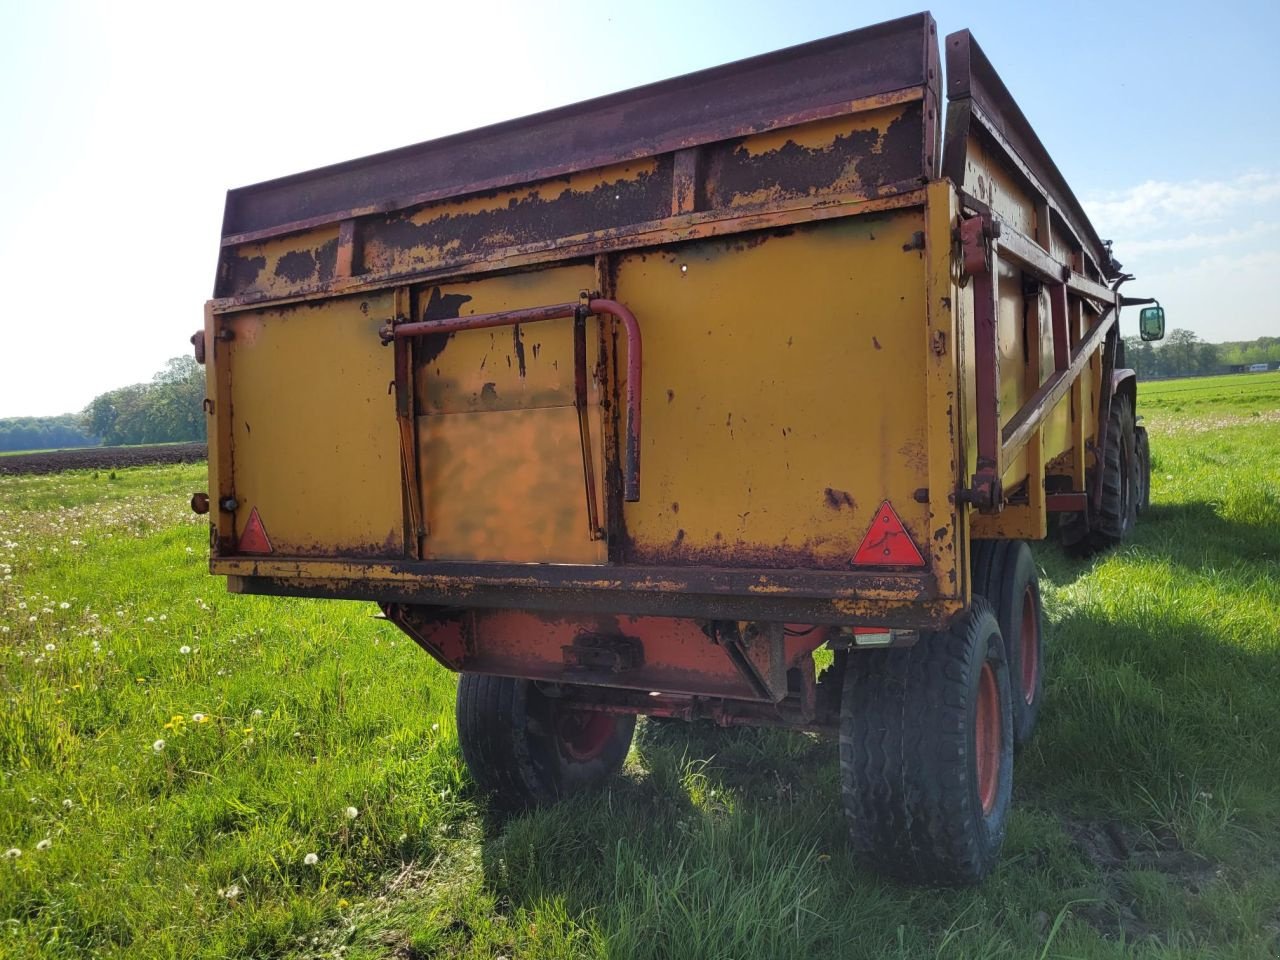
(1004, 572)
(527, 748)
(1143, 447)
(926, 752)
(1115, 518)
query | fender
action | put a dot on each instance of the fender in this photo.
(1125, 383)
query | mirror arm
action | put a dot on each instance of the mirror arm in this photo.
(1137, 301)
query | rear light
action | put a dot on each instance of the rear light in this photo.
(882, 637)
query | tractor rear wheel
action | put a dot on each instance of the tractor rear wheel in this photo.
(1118, 507)
(926, 752)
(1143, 445)
(528, 748)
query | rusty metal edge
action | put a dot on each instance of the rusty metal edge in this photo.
(807, 81)
(652, 233)
(973, 82)
(919, 614)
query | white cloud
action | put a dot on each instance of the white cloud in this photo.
(1200, 241)
(1159, 203)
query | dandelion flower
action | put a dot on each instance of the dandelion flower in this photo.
(352, 813)
(164, 616)
(67, 804)
(198, 718)
(44, 844)
(310, 859)
(64, 605)
(158, 746)
(257, 713)
(13, 853)
(151, 620)
(435, 727)
(232, 892)
(184, 649)
(50, 647)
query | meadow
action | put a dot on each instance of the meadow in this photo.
(188, 773)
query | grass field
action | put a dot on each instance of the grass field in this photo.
(192, 774)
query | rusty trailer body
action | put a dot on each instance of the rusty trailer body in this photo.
(644, 400)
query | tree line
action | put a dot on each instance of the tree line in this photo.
(169, 409)
(1183, 354)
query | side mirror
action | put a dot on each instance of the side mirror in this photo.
(1151, 323)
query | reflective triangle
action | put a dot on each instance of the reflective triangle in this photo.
(253, 539)
(887, 543)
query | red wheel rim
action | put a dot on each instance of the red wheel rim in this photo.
(585, 733)
(987, 741)
(1030, 645)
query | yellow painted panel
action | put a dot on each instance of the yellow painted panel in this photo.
(502, 368)
(988, 180)
(313, 429)
(784, 392)
(508, 485)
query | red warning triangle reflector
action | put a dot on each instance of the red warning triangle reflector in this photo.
(253, 539)
(887, 543)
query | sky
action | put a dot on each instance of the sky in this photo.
(122, 125)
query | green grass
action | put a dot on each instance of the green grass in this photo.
(1159, 740)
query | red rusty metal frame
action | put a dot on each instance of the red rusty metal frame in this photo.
(671, 655)
(578, 310)
(984, 239)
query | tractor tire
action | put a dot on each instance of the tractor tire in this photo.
(1143, 446)
(926, 752)
(527, 748)
(1004, 572)
(1114, 520)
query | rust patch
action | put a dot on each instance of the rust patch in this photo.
(243, 272)
(517, 339)
(297, 266)
(865, 160)
(439, 307)
(538, 214)
(837, 499)
(326, 260)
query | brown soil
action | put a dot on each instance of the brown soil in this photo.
(102, 458)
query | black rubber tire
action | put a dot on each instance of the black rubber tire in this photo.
(1005, 573)
(1118, 510)
(1143, 447)
(909, 757)
(510, 732)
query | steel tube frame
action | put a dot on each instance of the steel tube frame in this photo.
(985, 239)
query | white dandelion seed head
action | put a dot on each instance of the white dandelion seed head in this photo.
(232, 892)
(67, 804)
(310, 859)
(150, 620)
(13, 853)
(50, 647)
(184, 649)
(257, 713)
(64, 605)
(44, 844)
(435, 727)
(197, 717)
(351, 813)
(158, 746)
